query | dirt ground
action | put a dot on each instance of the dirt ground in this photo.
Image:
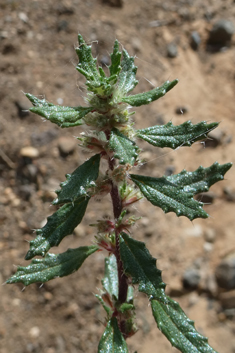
(37, 40)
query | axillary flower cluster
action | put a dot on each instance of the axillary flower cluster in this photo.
(111, 137)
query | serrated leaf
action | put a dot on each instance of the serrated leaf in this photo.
(169, 197)
(124, 149)
(150, 96)
(112, 340)
(170, 318)
(201, 179)
(141, 266)
(110, 280)
(52, 266)
(79, 181)
(96, 82)
(178, 328)
(58, 226)
(126, 79)
(172, 136)
(87, 64)
(60, 115)
(115, 66)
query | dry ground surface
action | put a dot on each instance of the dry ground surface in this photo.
(37, 40)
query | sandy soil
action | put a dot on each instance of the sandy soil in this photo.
(37, 40)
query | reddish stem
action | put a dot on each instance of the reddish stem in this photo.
(117, 209)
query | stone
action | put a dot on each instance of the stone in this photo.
(221, 33)
(170, 170)
(194, 231)
(29, 152)
(113, 3)
(210, 235)
(43, 138)
(208, 247)
(66, 145)
(105, 60)
(25, 192)
(229, 194)
(136, 44)
(225, 272)
(206, 197)
(23, 108)
(181, 110)
(172, 50)
(227, 299)
(62, 25)
(215, 138)
(191, 278)
(195, 40)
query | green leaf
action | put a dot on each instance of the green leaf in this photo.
(141, 266)
(178, 328)
(112, 340)
(96, 82)
(52, 266)
(201, 179)
(79, 181)
(60, 115)
(87, 64)
(150, 96)
(169, 197)
(124, 149)
(170, 318)
(126, 79)
(110, 280)
(172, 136)
(115, 66)
(58, 226)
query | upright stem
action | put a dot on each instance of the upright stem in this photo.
(117, 209)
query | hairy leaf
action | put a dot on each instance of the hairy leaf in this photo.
(112, 340)
(79, 181)
(169, 197)
(124, 149)
(127, 80)
(87, 64)
(58, 226)
(96, 82)
(110, 280)
(170, 318)
(150, 96)
(115, 66)
(201, 179)
(172, 136)
(60, 115)
(52, 266)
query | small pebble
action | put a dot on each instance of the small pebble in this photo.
(30, 152)
(23, 108)
(172, 50)
(191, 278)
(181, 110)
(206, 197)
(227, 299)
(66, 145)
(34, 332)
(195, 40)
(225, 272)
(210, 235)
(215, 138)
(221, 33)
(208, 247)
(229, 193)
